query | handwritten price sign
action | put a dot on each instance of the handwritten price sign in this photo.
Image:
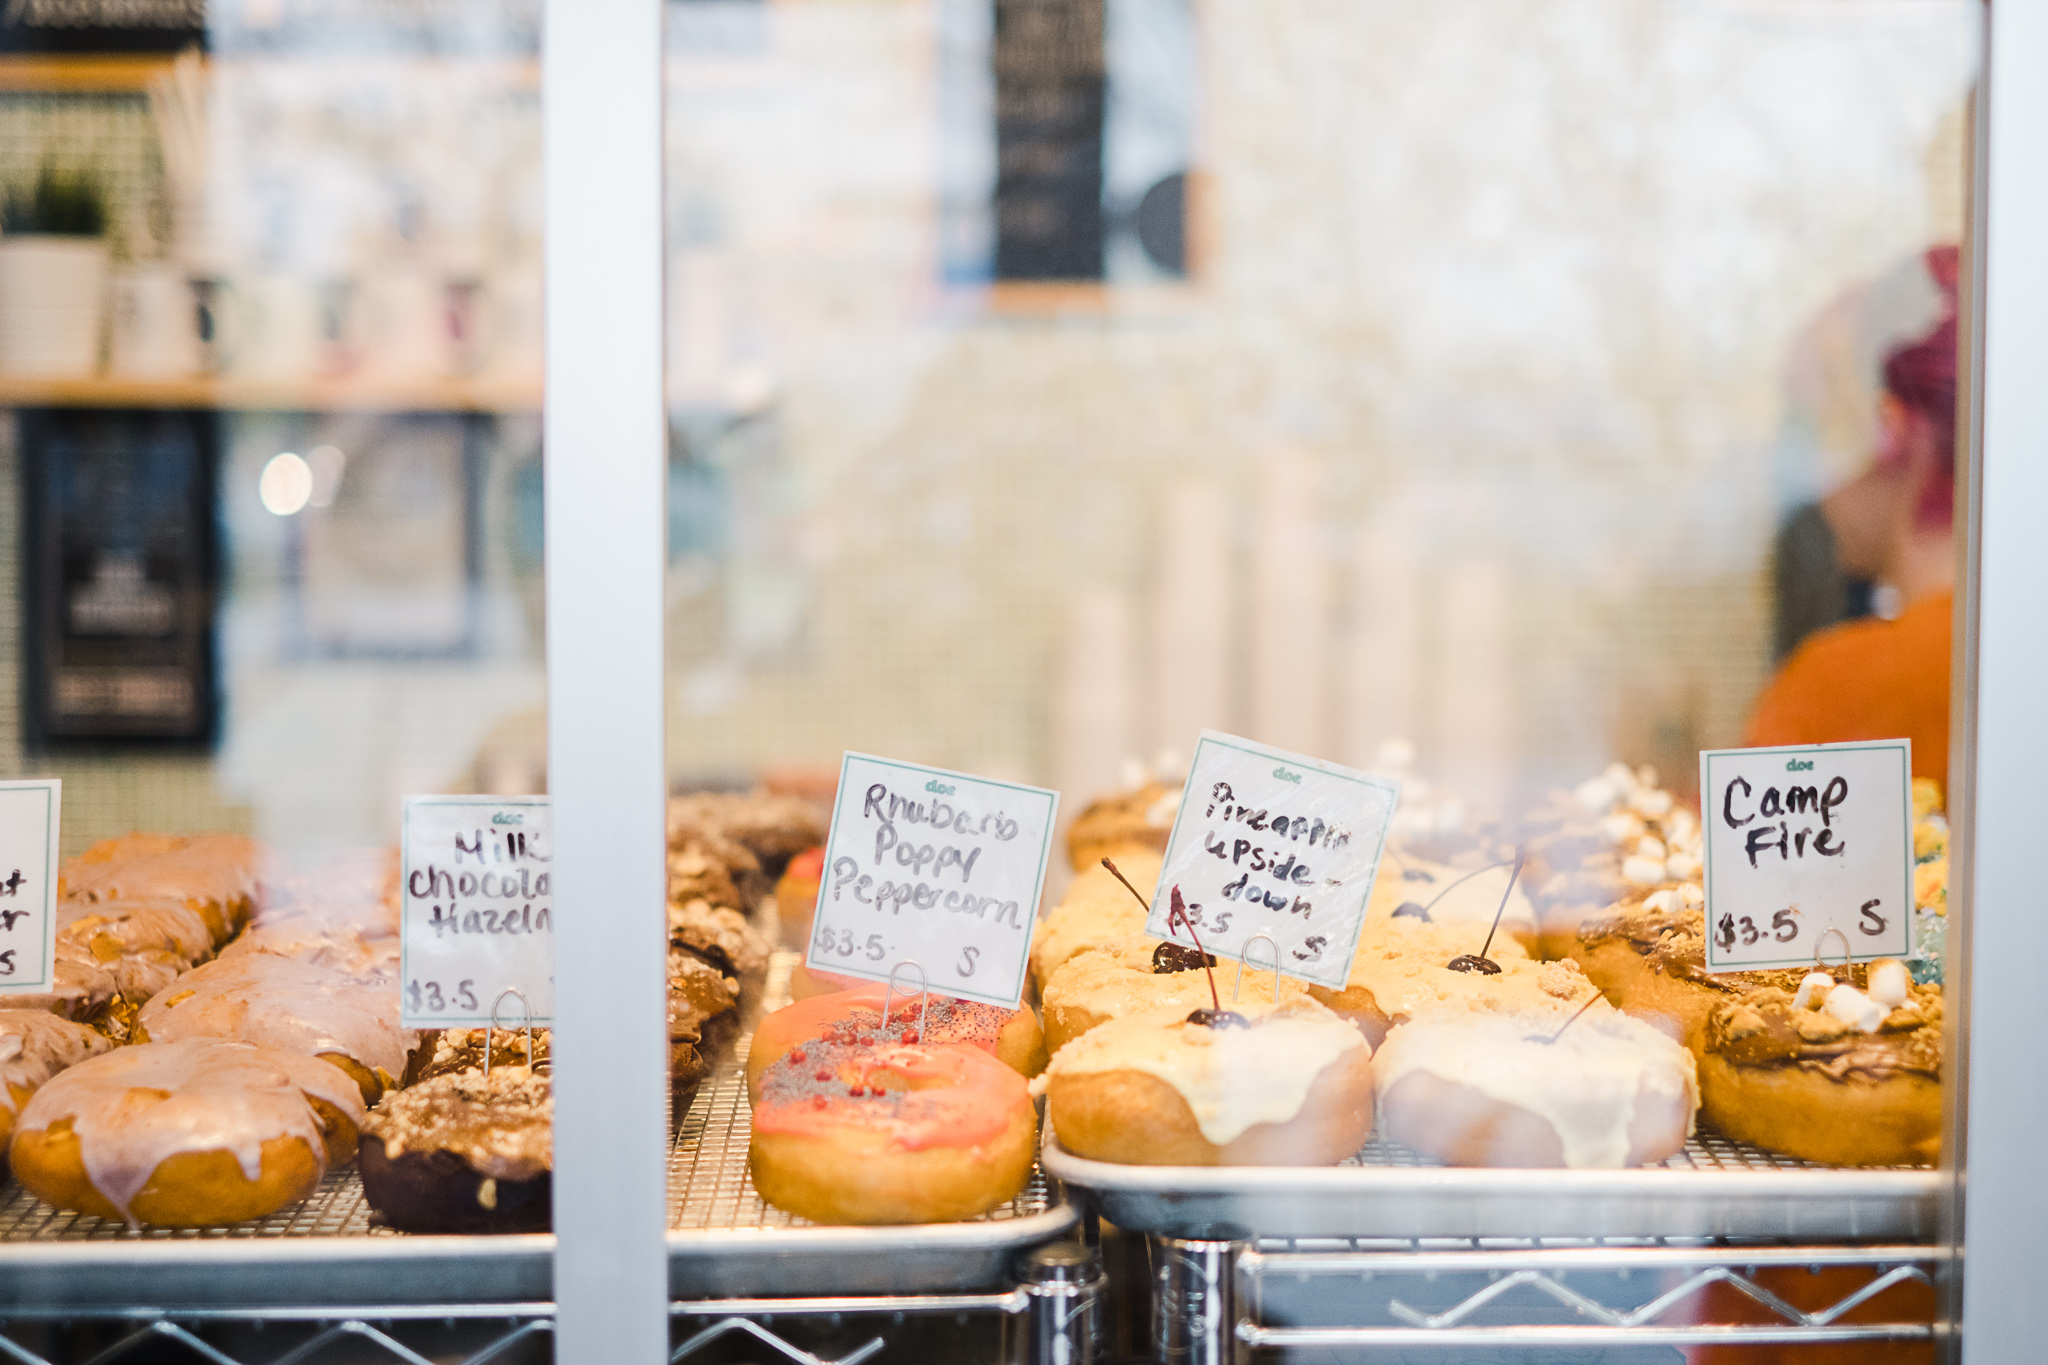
(1809, 853)
(478, 910)
(28, 884)
(939, 868)
(1274, 843)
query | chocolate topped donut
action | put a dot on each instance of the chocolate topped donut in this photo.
(772, 828)
(444, 1052)
(463, 1153)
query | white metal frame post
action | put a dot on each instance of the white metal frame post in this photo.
(606, 463)
(2004, 1231)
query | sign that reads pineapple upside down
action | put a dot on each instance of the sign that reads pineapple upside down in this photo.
(1276, 844)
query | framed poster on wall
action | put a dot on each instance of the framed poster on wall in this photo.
(120, 576)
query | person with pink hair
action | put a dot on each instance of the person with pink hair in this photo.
(1893, 524)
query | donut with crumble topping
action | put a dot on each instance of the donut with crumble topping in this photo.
(1136, 973)
(1829, 1071)
(463, 1152)
(186, 1134)
(891, 1133)
(1012, 1037)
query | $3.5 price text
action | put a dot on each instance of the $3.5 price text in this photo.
(1784, 927)
(844, 943)
(430, 997)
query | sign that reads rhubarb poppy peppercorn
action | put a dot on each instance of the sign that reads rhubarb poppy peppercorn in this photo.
(933, 868)
(476, 911)
(1271, 843)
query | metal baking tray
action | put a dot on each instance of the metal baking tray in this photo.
(1716, 1187)
(724, 1241)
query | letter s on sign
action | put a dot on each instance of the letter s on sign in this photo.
(966, 964)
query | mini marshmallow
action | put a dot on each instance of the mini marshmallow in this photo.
(1890, 983)
(1680, 827)
(1692, 896)
(1651, 802)
(1856, 1009)
(1682, 866)
(1650, 846)
(1622, 828)
(1643, 871)
(1811, 985)
(1658, 902)
(1596, 795)
(1622, 776)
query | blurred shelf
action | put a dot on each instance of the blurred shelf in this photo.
(108, 73)
(235, 395)
(122, 73)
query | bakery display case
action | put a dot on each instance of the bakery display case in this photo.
(1163, 680)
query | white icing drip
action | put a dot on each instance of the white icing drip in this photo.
(158, 925)
(35, 1046)
(137, 1106)
(1585, 1084)
(283, 1003)
(1232, 1078)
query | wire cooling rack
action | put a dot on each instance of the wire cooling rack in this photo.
(708, 1188)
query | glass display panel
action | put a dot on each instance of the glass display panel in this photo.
(1514, 401)
(270, 351)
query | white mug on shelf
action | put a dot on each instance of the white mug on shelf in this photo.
(153, 333)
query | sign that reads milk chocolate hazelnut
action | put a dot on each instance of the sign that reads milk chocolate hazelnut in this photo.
(1276, 844)
(936, 868)
(28, 884)
(477, 910)
(1809, 853)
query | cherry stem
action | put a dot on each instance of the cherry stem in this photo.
(1521, 856)
(1180, 912)
(1476, 872)
(1116, 873)
(1597, 997)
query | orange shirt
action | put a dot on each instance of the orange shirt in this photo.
(1869, 679)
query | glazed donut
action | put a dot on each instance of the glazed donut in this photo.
(1265, 1085)
(463, 1152)
(282, 1003)
(216, 874)
(186, 1134)
(1012, 1037)
(1828, 1073)
(1138, 973)
(1095, 910)
(109, 929)
(1402, 971)
(35, 1046)
(891, 1134)
(1123, 824)
(1494, 1090)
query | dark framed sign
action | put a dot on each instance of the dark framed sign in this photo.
(120, 576)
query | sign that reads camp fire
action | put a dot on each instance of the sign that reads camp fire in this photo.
(934, 868)
(477, 911)
(1809, 853)
(1274, 843)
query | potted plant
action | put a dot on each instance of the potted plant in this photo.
(53, 275)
